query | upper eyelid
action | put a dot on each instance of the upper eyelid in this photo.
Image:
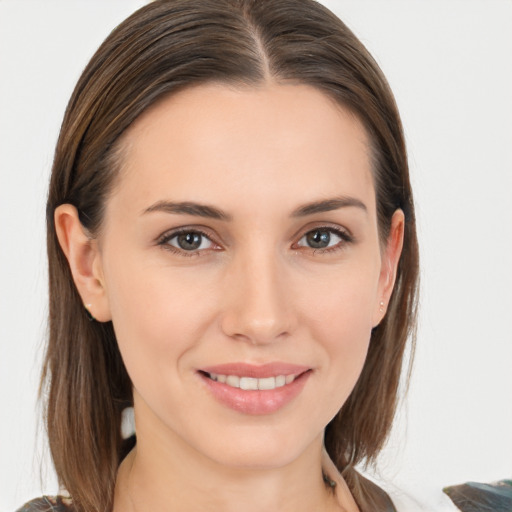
(324, 225)
(171, 233)
(335, 231)
(344, 235)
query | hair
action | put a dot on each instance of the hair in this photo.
(163, 48)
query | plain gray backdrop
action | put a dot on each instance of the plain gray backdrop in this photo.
(449, 64)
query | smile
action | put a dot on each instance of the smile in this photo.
(252, 383)
(255, 389)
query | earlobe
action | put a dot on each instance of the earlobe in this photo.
(389, 265)
(84, 259)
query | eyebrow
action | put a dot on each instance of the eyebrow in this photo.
(328, 205)
(188, 208)
(211, 212)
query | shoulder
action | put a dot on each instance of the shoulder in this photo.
(48, 504)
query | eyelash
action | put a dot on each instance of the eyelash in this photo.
(345, 236)
(163, 241)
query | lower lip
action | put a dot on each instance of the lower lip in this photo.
(256, 402)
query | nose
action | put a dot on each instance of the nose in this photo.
(258, 309)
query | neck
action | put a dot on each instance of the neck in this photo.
(164, 473)
(142, 485)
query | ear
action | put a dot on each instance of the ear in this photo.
(389, 265)
(84, 259)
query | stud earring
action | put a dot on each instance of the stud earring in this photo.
(381, 308)
(88, 312)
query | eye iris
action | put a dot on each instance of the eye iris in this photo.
(189, 241)
(318, 239)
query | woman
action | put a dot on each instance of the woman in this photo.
(232, 251)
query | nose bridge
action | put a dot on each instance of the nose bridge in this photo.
(258, 309)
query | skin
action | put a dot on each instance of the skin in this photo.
(255, 291)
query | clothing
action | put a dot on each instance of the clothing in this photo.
(48, 504)
(470, 497)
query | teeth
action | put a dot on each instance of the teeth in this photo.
(233, 381)
(251, 383)
(268, 383)
(248, 383)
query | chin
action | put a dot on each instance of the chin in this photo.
(259, 449)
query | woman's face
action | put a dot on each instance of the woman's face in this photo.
(240, 250)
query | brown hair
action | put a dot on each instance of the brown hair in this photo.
(160, 49)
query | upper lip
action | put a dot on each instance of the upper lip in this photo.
(262, 371)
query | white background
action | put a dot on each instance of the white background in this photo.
(449, 63)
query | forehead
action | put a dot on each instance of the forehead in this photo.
(245, 146)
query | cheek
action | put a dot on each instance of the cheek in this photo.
(158, 316)
(341, 300)
(339, 316)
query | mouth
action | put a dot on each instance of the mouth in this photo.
(255, 390)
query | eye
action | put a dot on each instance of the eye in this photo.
(191, 241)
(324, 239)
